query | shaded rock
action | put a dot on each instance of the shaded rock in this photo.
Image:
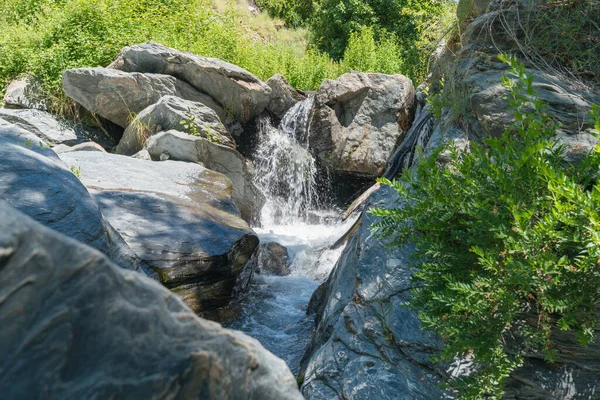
(359, 119)
(87, 146)
(26, 93)
(177, 217)
(183, 147)
(74, 326)
(42, 124)
(239, 92)
(368, 344)
(283, 95)
(169, 113)
(118, 95)
(271, 258)
(35, 181)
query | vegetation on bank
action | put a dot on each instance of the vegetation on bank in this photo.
(42, 38)
(507, 238)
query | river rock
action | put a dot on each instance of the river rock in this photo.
(359, 119)
(171, 112)
(35, 181)
(283, 95)
(239, 92)
(86, 146)
(118, 96)
(271, 258)
(74, 326)
(26, 93)
(183, 147)
(368, 344)
(177, 217)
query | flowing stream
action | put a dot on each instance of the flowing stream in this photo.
(293, 216)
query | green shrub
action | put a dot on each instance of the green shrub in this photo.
(294, 12)
(507, 238)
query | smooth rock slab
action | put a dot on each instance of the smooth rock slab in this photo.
(42, 124)
(35, 181)
(177, 217)
(359, 119)
(118, 96)
(183, 147)
(242, 94)
(74, 326)
(169, 113)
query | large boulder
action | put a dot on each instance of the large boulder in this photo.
(183, 147)
(42, 124)
(368, 343)
(26, 93)
(177, 217)
(171, 112)
(239, 92)
(359, 119)
(118, 96)
(283, 95)
(271, 258)
(35, 181)
(74, 326)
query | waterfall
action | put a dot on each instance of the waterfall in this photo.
(285, 170)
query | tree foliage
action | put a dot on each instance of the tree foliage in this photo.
(507, 238)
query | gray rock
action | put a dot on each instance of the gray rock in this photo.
(183, 147)
(87, 146)
(142, 155)
(118, 96)
(177, 217)
(359, 119)
(239, 92)
(283, 95)
(42, 124)
(26, 93)
(74, 326)
(169, 113)
(368, 344)
(271, 258)
(35, 181)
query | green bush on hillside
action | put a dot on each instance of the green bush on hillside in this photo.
(507, 238)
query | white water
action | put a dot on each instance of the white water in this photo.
(275, 309)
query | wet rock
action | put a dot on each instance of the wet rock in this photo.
(118, 96)
(74, 326)
(359, 119)
(239, 92)
(368, 344)
(183, 147)
(271, 258)
(172, 113)
(177, 217)
(283, 95)
(26, 93)
(35, 181)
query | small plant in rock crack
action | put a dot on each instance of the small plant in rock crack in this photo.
(76, 170)
(189, 125)
(210, 135)
(507, 239)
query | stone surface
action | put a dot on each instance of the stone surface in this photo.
(74, 326)
(42, 124)
(169, 113)
(183, 147)
(26, 93)
(359, 119)
(239, 92)
(177, 217)
(283, 95)
(86, 146)
(271, 258)
(35, 181)
(118, 96)
(368, 344)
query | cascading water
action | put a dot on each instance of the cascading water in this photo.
(293, 216)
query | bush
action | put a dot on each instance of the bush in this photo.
(507, 241)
